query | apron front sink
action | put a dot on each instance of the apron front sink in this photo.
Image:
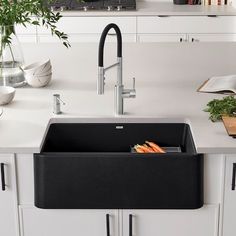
(91, 166)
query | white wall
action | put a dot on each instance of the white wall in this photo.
(189, 61)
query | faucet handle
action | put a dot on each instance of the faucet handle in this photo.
(129, 93)
(134, 83)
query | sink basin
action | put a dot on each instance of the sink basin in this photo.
(91, 166)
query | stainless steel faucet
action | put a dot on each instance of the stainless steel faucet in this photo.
(120, 91)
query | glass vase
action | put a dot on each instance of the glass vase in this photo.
(11, 58)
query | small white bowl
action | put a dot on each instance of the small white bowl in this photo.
(38, 67)
(43, 73)
(38, 81)
(6, 94)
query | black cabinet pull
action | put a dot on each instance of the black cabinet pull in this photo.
(108, 224)
(130, 225)
(233, 176)
(3, 177)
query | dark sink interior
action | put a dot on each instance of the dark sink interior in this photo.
(116, 137)
(90, 166)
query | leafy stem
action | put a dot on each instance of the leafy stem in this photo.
(220, 107)
(33, 12)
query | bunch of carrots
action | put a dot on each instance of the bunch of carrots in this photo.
(148, 147)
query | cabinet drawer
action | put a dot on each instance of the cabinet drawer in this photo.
(38, 222)
(186, 24)
(87, 38)
(153, 38)
(212, 38)
(201, 222)
(92, 25)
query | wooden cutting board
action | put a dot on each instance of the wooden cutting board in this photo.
(230, 125)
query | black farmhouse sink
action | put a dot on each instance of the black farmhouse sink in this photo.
(91, 166)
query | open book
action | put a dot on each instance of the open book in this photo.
(220, 84)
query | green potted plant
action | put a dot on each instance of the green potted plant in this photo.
(22, 12)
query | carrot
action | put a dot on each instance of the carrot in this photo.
(155, 147)
(144, 149)
(139, 150)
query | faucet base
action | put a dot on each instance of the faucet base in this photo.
(119, 100)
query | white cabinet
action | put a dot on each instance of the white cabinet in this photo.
(89, 29)
(8, 199)
(158, 38)
(39, 222)
(229, 214)
(212, 38)
(26, 34)
(186, 29)
(200, 222)
(141, 28)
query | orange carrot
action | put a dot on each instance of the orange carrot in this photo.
(155, 147)
(139, 150)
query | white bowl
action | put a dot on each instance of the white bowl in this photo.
(6, 94)
(38, 67)
(38, 81)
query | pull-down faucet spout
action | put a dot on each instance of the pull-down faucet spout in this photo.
(120, 92)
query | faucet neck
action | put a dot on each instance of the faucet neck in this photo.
(102, 42)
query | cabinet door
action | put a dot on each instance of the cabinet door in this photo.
(212, 38)
(40, 222)
(26, 34)
(159, 38)
(186, 24)
(229, 214)
(201, 222)
(89, 29)
(8, 202)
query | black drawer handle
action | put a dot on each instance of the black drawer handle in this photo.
(108, 224)
(233, 176)
(130, 225)
(3, 177)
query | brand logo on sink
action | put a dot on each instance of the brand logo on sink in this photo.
(119, 127)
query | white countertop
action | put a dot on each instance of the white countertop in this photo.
(24, 121)
(162, 9)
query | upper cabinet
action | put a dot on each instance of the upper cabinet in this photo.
(8, 199)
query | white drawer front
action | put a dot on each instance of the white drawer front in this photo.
(92, 25)
(86, 38)
(201, 222)
(38, 222)
(153, 38)
(186, 24)
(212, 38)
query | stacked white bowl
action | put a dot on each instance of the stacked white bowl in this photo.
(6, 95)
(38, 74)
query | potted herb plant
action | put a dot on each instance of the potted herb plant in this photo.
(22, 12)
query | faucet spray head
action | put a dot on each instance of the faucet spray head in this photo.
(101, 82)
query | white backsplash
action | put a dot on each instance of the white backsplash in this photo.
(150, 61)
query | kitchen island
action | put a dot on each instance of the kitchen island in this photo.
(162, 96)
